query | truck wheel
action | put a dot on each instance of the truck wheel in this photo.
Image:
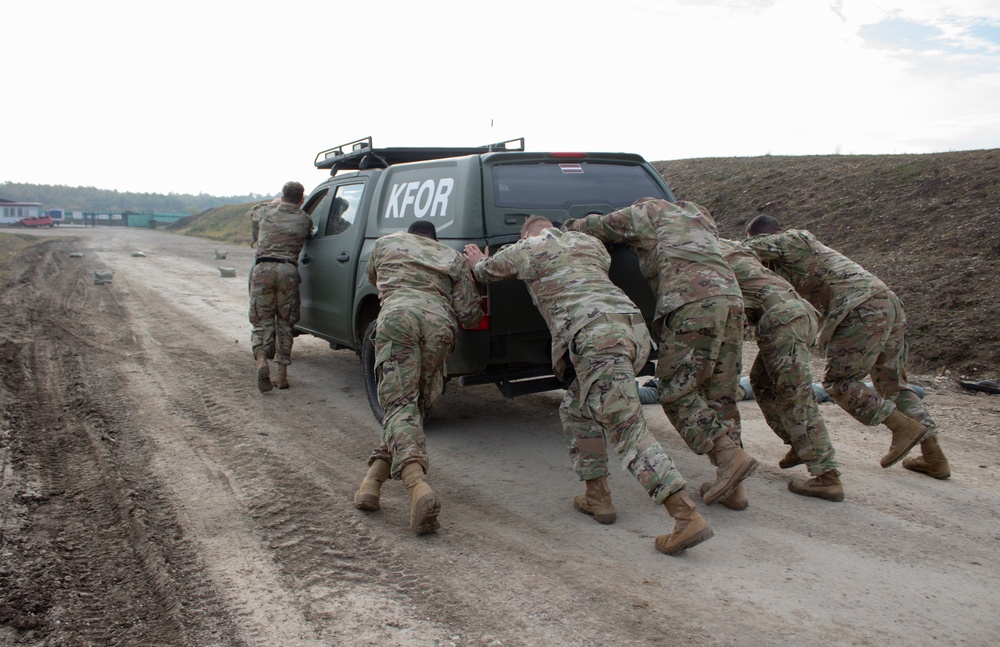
(368, 366)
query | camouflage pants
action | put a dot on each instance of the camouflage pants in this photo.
(411, 353)
(602, 405)
(274, 309)
(871, 340)
(781, 378)
(699, 360)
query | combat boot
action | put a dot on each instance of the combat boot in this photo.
(825, 486)
(424, 506)
(737, 499)
(733, 465)
(263, 374)
(932, 462)
(690, 528)
(367, 496)
(906, 433)
(790, 460)
(597, 501)
(281, 376)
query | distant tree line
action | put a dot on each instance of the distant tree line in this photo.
(89, 199)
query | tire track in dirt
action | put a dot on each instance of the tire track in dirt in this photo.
(120, 583)
(331, 561)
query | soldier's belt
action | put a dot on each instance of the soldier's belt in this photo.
(271, 259)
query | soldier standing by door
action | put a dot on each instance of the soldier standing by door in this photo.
(279, 231)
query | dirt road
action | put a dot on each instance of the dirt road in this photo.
(151, 496)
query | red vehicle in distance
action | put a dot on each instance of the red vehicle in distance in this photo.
(40, 221)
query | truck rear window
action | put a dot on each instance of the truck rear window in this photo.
(562, 184)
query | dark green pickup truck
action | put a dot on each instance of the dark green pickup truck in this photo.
(475, 195)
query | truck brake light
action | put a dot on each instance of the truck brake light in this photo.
(569, 155)
(484, 323)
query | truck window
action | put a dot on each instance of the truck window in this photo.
(344, 208)
(315, 208)
(564, 183)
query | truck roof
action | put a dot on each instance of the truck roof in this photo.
(360, 154)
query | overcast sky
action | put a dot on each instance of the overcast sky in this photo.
(230, 98)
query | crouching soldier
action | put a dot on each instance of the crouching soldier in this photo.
(781, 375)
(863, 332)
(596, 328)
(425, 289)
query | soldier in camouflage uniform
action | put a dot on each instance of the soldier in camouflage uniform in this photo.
(698, 325)
(424, 287)
(279, 231)
(781, 375)
(863, 331)
(601, 333)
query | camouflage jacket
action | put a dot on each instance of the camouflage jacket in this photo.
(257, 212)
(830, 281)
(762, 289)
(678, 249)
(411, 271)
(282, 230)
(567, 277)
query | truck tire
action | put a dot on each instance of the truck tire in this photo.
(368, 366)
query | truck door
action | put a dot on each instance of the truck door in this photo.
(328, 262)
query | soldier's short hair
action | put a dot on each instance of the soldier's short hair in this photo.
(531, 221)
(292, 193)
(423, 228)
(763, 225)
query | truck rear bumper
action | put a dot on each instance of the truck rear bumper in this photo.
(524, 381)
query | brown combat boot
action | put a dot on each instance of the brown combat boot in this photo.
(281, 376)
(825, 486)
(690, 528)
(906, 433)
(790, 460)
(932, 462)
(597, 501)
(424, 506)
(733, 465)
(263, 374)
(367, 496)
(737, 499)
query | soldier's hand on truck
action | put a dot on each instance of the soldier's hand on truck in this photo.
(473, 255)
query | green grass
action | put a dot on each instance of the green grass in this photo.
(906, 172)
(228, 224)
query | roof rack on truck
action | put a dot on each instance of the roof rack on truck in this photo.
(360, 155)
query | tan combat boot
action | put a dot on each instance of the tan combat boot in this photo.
(597, 501)
(825, 486)
(367, 496)
(790, 460)
(737, 499)
(933, 461)
(424, 506)
(281, 376)
(733, 465)
(690, 528)
(906, 433)
(263, 374)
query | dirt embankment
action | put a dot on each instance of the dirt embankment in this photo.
(928, 225)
